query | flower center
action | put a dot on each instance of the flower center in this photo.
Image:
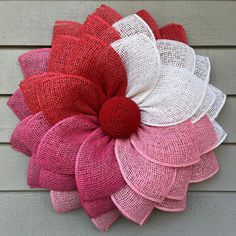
(119, 117)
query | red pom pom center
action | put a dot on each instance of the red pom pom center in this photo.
(119, 117)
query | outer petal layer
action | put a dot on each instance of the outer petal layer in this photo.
(97, 172)
(148, 179)
(59, 146)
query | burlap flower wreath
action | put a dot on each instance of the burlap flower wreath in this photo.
(117, 117)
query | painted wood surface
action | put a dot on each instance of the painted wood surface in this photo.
(208, 214)
(211, 210)
(207, 23)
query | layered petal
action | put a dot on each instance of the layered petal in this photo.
(172, 205)
(59, 96)
(132, 205)
(104, 221)
(98, 27)
(97, 172)
(92, 59)
(108, 14)
(65, 201)
(150, 21)
(62, 27)
(220, 134)
(142, 63)
(179, 188)
(98, 207)
(33, 131)
(17, 104)
(133, 25)
(58, 148)
(173, 32)
(175, 146)
(34, 62)
(206, 168)
(16, 137)
(41, 178)
(147, 178)
(218, 104)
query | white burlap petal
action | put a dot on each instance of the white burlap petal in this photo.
(142, 62)
(173, 53)
(218, 104)
(206, 105)
(220, 133)
(202, 68)
(132, 25)
(177, 96)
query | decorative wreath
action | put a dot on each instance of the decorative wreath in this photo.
(117, 117)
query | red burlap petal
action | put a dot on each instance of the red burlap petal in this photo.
(29, 91)
(108, 14)
(16, 137)
(98, 27)
(17, 104)
(104, 221)
(60, 96)
(206, 168)
(58, 148)
(150, 21)
(132, 205)
(98, 207)
(41, 178)
(92, 59)
(172, 205)
(65, 28)
(65, 201)
(150, 180)
(173, 32)
(97, 172)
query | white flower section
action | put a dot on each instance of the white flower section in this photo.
(206, 105)
(177, 54)
(221, 134)
(202, 68)
(132, 25)
(175, 99)
(142, 62)
(218, 104)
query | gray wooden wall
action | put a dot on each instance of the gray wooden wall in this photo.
(211, 205)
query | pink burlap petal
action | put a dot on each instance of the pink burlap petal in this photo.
(206, 135)
(34, 62)
(104, 222)
(206, 168)
(96, 170)
(98, 207)
(16, 137)
(180, 186)
(174, 146)
(148, 179)
(108, 14)
(172, 205)
(33, 131)
(65, 201)
(17, 104)
(132, 205)
(98, 27)
(58, 148)
(41, 178)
